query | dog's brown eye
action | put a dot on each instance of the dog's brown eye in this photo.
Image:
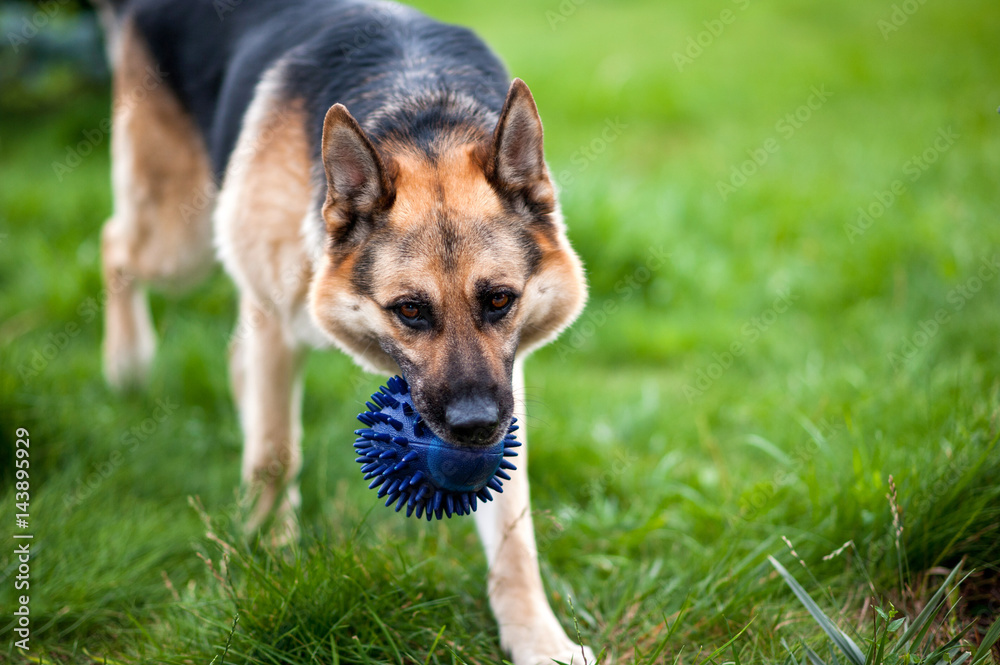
(414, 315)
(497, 305)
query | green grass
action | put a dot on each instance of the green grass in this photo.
(664, 472)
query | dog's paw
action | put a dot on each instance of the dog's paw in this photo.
(574, 655)
(273, 516)
(283, 534)
(127, 366)
(556, 648)
(570, 654)
(129, 341)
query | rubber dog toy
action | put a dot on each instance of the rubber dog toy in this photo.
(415, 468)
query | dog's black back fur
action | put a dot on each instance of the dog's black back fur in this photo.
(396, 70)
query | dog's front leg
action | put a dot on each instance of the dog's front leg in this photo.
(529, 630)
(266, 378)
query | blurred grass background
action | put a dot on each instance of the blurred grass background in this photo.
(663, 470)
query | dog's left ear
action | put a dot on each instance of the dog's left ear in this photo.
(516, 165)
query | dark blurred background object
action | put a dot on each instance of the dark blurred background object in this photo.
(52, 50)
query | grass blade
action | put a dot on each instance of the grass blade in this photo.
(434, 646)
(725, 646)
(813, 656)
(922, 622)
(988, 641)
(791, 656)
(666, 639)
(388, 635)
(945, 652)
(843, 642)
(736, 654)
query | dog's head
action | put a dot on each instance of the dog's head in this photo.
(446, 263)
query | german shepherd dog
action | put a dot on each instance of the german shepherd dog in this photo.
(371, 179)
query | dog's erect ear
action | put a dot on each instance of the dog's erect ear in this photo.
(517, 162)
(356, 182)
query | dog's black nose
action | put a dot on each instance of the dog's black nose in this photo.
(472, 419)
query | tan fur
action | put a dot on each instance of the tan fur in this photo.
(159, 233)
(269, 401)
(556, 294)
(264, 197)
(346, 316)
(453, 183)
(529, 630)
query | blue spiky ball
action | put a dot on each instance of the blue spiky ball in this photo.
(420, 471)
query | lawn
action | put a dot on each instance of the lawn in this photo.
(789, 216)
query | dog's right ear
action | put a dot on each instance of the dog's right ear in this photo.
(516, 163)
(357, 186)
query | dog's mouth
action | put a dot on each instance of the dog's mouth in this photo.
(481, 441)
(476, 441)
